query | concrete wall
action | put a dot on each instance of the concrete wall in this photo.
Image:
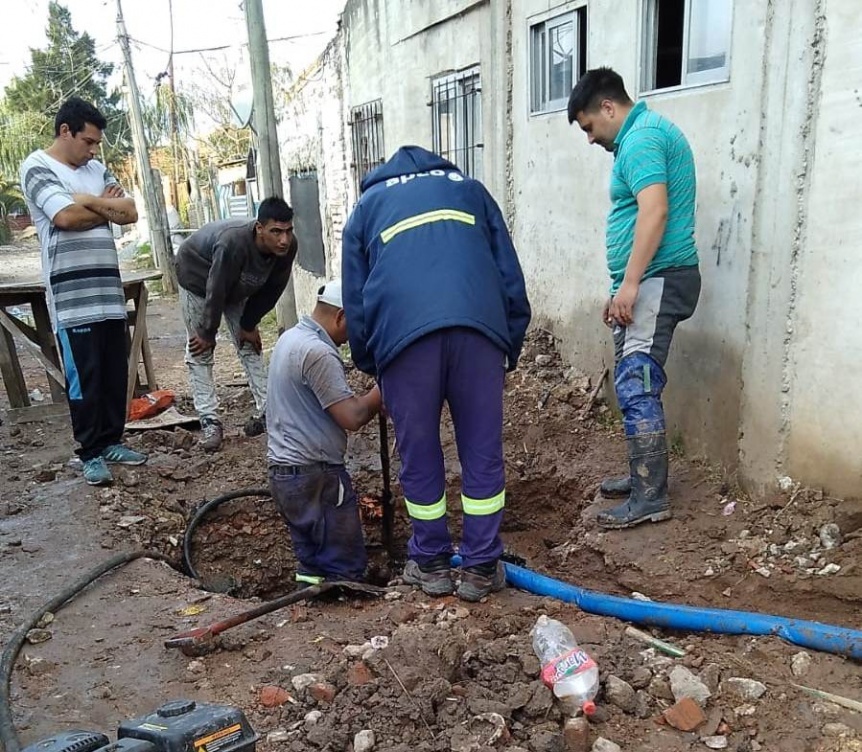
(312, 136)
(562, 189)
(758, 377)
(395, 49)
(823, 405)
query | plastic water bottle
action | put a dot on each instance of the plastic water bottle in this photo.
(566, 668)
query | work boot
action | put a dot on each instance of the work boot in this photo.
(435, 577)
(648, 499)
(212, 434)
(481, 580)
(612, 488)
(255, 425)
(96, 472)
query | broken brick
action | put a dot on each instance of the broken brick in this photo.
(322, 692)
(686, 715)
(359, 674)
(273, 697)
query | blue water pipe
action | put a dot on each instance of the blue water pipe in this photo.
(807, 634)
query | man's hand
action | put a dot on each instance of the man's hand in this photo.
(253, 338)
(606, 314)
(623, 303)
(199, 346)
(113, 191)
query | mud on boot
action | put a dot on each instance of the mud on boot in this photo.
(648, 500)
(434, 577)
(613, 488)
(212, 434)
(481, 580)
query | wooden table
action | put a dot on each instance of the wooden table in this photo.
(39, 339)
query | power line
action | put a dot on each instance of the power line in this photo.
(227, 46)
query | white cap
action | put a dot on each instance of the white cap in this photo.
(330, 293)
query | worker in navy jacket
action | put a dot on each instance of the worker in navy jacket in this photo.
(437, 310)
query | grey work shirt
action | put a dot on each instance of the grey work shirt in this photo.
(306, 376)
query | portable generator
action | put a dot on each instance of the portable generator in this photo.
(178, 726)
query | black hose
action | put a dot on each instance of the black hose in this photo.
(202, 512)
(8, 735)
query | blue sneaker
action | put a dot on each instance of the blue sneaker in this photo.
(96, 472)
(123, 455)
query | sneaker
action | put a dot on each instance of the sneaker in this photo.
(120, 454)
(96, 472)
(435, 577)
(212, 435)
(255, 426)
(481, 580)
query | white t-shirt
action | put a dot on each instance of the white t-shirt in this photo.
(82, 273)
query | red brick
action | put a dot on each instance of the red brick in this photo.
(322, 692)
(359, 674)
(273, 697)
(686, 715)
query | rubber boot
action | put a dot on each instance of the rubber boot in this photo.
(613, 488)
(648, 500)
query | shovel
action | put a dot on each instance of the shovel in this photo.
(199, 640)
(388, 519)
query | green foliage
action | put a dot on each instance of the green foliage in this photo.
(10, 200)
(158, 114)
(67, 66)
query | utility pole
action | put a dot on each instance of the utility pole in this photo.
(153, 197)
(175, 129)
(268, 162)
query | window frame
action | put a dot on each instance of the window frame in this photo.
(576, 14)
(649, 50)
(455, 85)
(366, 122)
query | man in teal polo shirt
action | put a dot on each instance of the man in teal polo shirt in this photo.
(655, 281)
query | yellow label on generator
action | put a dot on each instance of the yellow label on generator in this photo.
(219, 739)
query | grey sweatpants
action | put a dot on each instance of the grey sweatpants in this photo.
(201, 366)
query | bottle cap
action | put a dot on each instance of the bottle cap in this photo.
(589, 707)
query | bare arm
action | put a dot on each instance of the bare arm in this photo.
(354, 412)
(121, 211)
(77, 217)
(649, 230)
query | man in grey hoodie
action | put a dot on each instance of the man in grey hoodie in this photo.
(239, 269)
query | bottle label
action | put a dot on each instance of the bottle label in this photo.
(573, 662)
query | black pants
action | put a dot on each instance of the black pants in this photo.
(94, 359)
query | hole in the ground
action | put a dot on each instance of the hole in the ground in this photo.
(242, 547)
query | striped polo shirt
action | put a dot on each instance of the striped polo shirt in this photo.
(82, 273)
(650, 149)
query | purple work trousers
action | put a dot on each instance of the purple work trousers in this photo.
(467, 370)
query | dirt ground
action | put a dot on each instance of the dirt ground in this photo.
(451, 673)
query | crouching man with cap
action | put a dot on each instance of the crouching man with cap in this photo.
(309, 409)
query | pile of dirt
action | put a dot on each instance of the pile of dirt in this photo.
(451, 676)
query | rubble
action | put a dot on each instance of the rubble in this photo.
(684, 683)
(686, 715)
(605, 745)
(364, 741)
(800, 664)
(744, 689)
(621, 694)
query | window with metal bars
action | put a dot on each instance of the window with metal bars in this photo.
(366, 129)
(456, 119)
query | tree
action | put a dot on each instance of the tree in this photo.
(11, 200)
(67, 66)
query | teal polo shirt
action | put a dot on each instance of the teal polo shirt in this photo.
(649, 149)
